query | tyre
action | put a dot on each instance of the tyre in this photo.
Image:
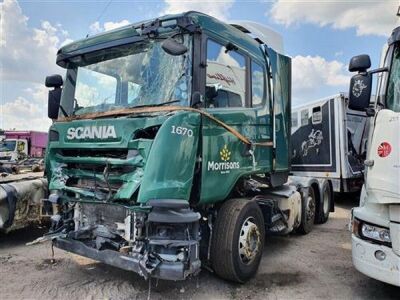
(325, 204)
(307, 211)
(238, 240)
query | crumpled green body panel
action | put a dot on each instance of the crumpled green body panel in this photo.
(73, 159)
(171, 161)
(155, 168)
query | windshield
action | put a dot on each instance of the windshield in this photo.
(7, 145)
(393, 92)
(128, 76)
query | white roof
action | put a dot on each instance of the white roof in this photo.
(317, 101)
(266, 34)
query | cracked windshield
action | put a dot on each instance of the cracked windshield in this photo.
(128, 76)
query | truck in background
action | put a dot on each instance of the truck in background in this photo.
(21, 202)
(376, 222)
(18, 145)
(22, 185)
(328, 145)
(171, 166)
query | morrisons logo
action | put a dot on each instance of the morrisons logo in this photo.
(91, 132)
(225, 165)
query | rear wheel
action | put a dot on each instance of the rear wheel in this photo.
(325, 205)
(238, 240)
(307, 211)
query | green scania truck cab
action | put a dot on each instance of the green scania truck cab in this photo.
(169, 148)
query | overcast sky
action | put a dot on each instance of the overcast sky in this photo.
(320, 36)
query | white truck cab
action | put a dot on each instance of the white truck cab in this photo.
(12, 150)
(376, 222)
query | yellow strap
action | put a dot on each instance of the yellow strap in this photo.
(139, 110)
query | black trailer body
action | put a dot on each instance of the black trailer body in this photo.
(329, 142)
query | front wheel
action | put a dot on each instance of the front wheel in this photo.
(238, 240)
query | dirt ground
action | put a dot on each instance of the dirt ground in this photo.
(294, 267)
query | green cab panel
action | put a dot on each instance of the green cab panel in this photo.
(104, 152)
(225, 159)
(168, 173)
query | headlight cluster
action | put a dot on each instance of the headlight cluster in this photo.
(371, 232)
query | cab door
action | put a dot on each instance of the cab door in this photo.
(225, 158)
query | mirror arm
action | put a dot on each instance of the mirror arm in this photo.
(379, 70)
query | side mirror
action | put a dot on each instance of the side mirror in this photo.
(53, 104)
(173, 47)
(360, 63)
(360, 91)
(360, 84)
(54, 81)
(54, 98)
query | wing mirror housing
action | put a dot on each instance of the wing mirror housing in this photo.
(361, 83)
(360, 63)
(54, 98)
(54, 81)
(173, 47)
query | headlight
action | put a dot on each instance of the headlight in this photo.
(375, 233)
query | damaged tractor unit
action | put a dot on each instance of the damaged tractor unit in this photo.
(21, 202)
(169, 149)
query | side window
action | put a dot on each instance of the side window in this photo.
(316, 115)
(295, 121)
(225, 77)
(257, 84)
(304, 117)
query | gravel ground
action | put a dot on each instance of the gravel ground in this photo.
(293, 267)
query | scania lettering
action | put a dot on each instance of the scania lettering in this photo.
(93, 132)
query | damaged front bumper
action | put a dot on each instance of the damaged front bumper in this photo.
(160, 242)
(145, 265)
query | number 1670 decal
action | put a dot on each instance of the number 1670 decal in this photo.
(181, 131)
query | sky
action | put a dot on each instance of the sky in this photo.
(320, 35)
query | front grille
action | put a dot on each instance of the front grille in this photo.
(101, 174)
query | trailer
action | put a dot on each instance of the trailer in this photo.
(328, 145)
(182, 159)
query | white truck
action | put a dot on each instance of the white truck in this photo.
(376, 222)
(328, 148)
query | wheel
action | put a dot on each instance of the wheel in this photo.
(325, 205)
(307, 211)
(238, 240)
